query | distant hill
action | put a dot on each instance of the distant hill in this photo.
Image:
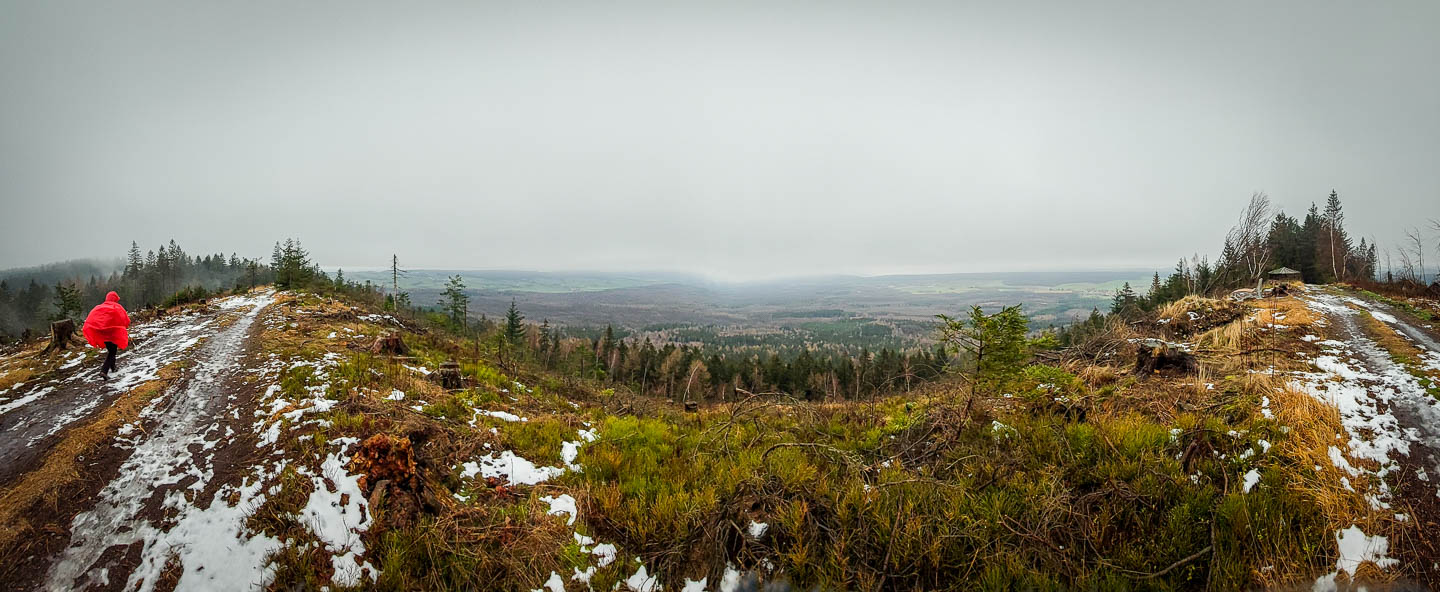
(79, 270)
(641, 301)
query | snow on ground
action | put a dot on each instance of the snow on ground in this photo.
(516, 470)
(214, 545)
(336, 513)
(27, 399)
(1367, 387)
(1355, 548)
(510, 467)
(501, 415)
(180, 448)
(153, 346)
(562, 504)
(1251, 479)
(209, 537)
(641, 581)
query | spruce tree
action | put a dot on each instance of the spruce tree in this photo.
(455, 302)
(514, 324)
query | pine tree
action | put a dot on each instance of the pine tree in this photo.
(67, 300)
(514, 324)
(134, 263)
(1157, 292)
(455, 302)
(1125, 301)
(995, 344)
(1335, 248)
(1309, 247)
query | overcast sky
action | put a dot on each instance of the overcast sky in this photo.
(735, 139)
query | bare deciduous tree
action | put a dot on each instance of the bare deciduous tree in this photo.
(1417, 245)
(1249, 239)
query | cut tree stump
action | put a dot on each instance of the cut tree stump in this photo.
(389, 343)
(448, 375)
(1156, 354)
(62, 335)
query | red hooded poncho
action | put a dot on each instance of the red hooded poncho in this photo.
(107, 322)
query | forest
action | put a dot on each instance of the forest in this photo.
(30, 299)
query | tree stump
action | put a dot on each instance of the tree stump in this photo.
(448, 375)
(389, 343)
(692, 406)
(62, 333)
(1156, 354)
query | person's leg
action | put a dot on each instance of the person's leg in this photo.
(110, 349)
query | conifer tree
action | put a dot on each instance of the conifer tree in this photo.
(514, 324)
(455, 302)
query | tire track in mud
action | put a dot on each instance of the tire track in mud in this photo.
(33, 419)
(159, 465)
(1397, 423)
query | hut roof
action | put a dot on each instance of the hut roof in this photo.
(1284, 271)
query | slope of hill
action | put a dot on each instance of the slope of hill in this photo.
(255, 440)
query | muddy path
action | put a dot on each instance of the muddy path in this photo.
(1400, 419)
(116, 526)
(33, 415)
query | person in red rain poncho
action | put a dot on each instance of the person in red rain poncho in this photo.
(106, 327)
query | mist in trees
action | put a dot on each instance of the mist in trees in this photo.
(165, 276)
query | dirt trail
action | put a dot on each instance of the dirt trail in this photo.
(1391, 417)
(34, 414)
(170, 465)
(157, 471)
(1417, 412)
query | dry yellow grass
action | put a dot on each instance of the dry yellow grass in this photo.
(1287, 311)
(1180, 307)
(1098, 376)
(15, 376)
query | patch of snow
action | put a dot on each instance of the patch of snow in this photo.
(1356, 548)
(757, 529)
(730, 580)
(562, 504)
(501, 415)
(554, 584)
(1251, 479)
(396, 395)
(25, 400)
(642, 582)
(515, 470)
(695, 586)
(337, 517)
(604, 554)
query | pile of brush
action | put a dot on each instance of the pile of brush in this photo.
(1193, 315)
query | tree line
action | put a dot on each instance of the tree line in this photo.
(1317, 246)
(161, 277)
(685, 371)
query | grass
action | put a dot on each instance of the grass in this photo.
(1085, 477)
(60, 468)
(1403, 352)
(1424, 314)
